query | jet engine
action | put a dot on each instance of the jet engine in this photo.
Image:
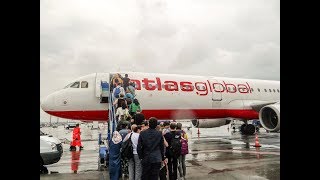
(209, 123)
(270, 117)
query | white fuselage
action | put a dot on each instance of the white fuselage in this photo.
(168, 96)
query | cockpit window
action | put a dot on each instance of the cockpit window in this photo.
(68, 85)
(84, 84)
(75, 84)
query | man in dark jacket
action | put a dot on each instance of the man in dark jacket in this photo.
(125, 82)
(150, 151)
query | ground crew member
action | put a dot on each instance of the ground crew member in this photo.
(76, 138)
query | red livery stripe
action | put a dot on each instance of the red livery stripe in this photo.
(102, 115)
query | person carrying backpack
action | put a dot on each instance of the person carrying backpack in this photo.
(135, 167)
(184, 150)
(173, 151)
(118, 90)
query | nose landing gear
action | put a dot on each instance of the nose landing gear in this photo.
(247, 129)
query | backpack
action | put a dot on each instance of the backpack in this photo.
(175, 147)
(116, 92)
(184, 145)
(127, 149)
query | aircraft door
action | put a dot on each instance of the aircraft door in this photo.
(217, 89)
(102, 85)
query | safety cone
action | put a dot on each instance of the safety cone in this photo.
(256, 144)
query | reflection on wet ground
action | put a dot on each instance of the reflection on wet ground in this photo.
(75, 161)
(215, 154)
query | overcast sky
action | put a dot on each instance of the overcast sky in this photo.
(229, 38)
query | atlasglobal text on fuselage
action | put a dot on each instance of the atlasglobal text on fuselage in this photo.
(186, 86)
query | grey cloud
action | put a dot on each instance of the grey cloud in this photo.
(215, 38)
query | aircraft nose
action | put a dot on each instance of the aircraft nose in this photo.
(47, 103)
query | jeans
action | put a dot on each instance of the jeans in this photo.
(182, 165)
(150, 171)
(172, 166)
(135, 168)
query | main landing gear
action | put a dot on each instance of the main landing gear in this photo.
(248, 129)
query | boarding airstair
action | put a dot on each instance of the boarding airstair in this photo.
(112, 118)
(106, 96)
(112, 125)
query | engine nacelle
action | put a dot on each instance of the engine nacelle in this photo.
(209, 123)
(270, 117)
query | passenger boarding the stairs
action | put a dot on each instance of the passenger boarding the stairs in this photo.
(118, 90)
(129, 95)
(122, 111)
(134, 106)
(132, 88)
(125, 82)
(138, 118)
(118, 102)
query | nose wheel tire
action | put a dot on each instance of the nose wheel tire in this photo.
(247, 129)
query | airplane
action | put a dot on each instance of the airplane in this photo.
(208, 101)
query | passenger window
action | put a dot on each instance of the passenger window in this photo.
(270, 90)
(75, 85)
(84, 84)
(251, 89)
(274, 90)
(258, 89)
(278, 90)
(265, 90)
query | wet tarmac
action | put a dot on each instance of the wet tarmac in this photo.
(215, 153)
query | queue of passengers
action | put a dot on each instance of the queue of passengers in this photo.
(160, 147)
(125, 103)
(157, 148)
(128, 110)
